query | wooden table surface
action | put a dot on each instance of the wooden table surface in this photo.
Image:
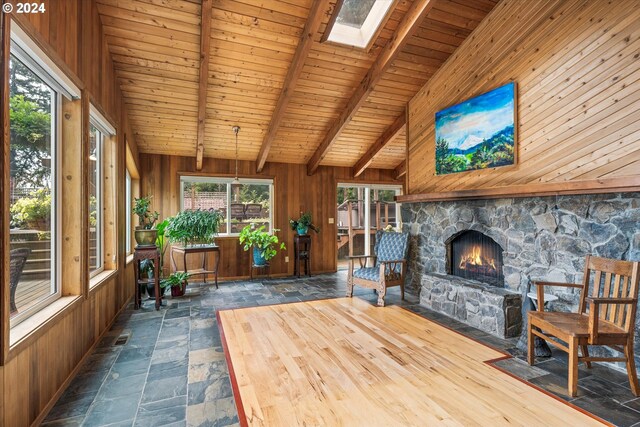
(346, 362)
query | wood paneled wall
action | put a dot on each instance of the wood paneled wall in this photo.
(37, 369)
(294, 190)
(577, 69)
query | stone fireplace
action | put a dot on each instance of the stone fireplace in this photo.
(541, 238)
(473, 255)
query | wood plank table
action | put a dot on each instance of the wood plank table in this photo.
(345, 362)
(200, 249)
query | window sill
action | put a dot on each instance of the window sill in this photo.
(101, 278)
(129, 259)
(30, 329)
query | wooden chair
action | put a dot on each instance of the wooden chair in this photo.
(17, 260)
(609, 320)
(389, 265)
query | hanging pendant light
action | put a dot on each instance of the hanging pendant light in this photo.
(236, 181)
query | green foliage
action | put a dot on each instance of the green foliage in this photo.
(93, 211)
(179, 279)
(162, 241)
(266, 243)
(194, 226)
(142, 209)
(30, 148)
(35, 208)
(146, 267)
(255, 193)
(305, 220)
(447, 162)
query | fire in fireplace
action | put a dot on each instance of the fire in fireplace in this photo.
(473, 255)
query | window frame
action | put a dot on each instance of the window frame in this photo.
(127, 212)
(56, 165)
(344, 34)
(106, 131)
(228, 181)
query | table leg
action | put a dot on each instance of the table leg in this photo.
(217, 265)
(156, 286)
(204, 266)
(137, 297)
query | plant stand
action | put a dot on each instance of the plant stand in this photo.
(301, 254)
(201, 250)
(140, 253)
(266, 268)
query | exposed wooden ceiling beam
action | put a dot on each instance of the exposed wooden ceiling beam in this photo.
(400, 170)
(316, 14)
(410, 23)
(205, 42)
(387, 136)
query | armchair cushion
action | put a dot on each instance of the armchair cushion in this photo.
(391, 246)
(367, 273)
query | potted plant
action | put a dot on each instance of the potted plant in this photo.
(34, 211)
(193, 227)
(148, 270)
(177, 282)
(265, 245)
(303, 224)
(145, 234)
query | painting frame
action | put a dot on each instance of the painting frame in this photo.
(479, 133)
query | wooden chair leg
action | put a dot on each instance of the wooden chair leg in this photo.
(402, 290)
(349, 286)
(631, 368)
(573, 367)
(585, 353)
(382, 291)
(530, 345)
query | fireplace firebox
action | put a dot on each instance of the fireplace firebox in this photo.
(476, 256)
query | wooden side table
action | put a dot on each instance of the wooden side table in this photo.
(152, 253)
(266, 268)
(301, 252)
(204, 249)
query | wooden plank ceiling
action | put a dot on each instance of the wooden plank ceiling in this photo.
(155, 45)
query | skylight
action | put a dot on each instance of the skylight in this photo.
(358, 21)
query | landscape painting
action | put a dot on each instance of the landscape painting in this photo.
(477, 133)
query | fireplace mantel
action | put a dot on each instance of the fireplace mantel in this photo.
(596, 186)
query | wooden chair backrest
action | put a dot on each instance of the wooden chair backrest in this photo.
(612, 279)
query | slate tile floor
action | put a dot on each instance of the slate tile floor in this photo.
(172, 370)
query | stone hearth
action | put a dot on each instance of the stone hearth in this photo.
(544, 238)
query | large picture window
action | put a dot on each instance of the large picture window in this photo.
(241, 204)
(34, 106)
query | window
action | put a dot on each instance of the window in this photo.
(248, 202)
(358, 21)
(34, 106)
(99, 131)
(127, 212)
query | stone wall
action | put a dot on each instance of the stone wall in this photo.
(544, 238)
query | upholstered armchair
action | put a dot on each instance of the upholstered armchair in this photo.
(384, 269)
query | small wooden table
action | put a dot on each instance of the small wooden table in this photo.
(152, 253)
(204, 249)
(301, 252)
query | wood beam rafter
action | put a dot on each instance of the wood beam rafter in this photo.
(205, 42)
(400, 170)
(316, 15)
(410, 23)
(387, 136)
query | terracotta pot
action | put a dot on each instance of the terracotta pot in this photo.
(146, 237)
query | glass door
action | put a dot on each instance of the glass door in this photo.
(362, 210)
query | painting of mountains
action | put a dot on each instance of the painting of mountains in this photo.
(477, 133)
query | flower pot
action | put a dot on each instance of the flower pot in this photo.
(178, 291)
(43, 224)
(151, 290)
(146, 237)
(258, 259)
(302, 230)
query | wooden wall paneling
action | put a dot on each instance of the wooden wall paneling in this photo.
(577, 86)
(72, 187)
(112, 200)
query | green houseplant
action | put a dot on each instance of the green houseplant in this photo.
(303, 224)
(145, 234)
(177, 281)
(192, 227)
(265, 245)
